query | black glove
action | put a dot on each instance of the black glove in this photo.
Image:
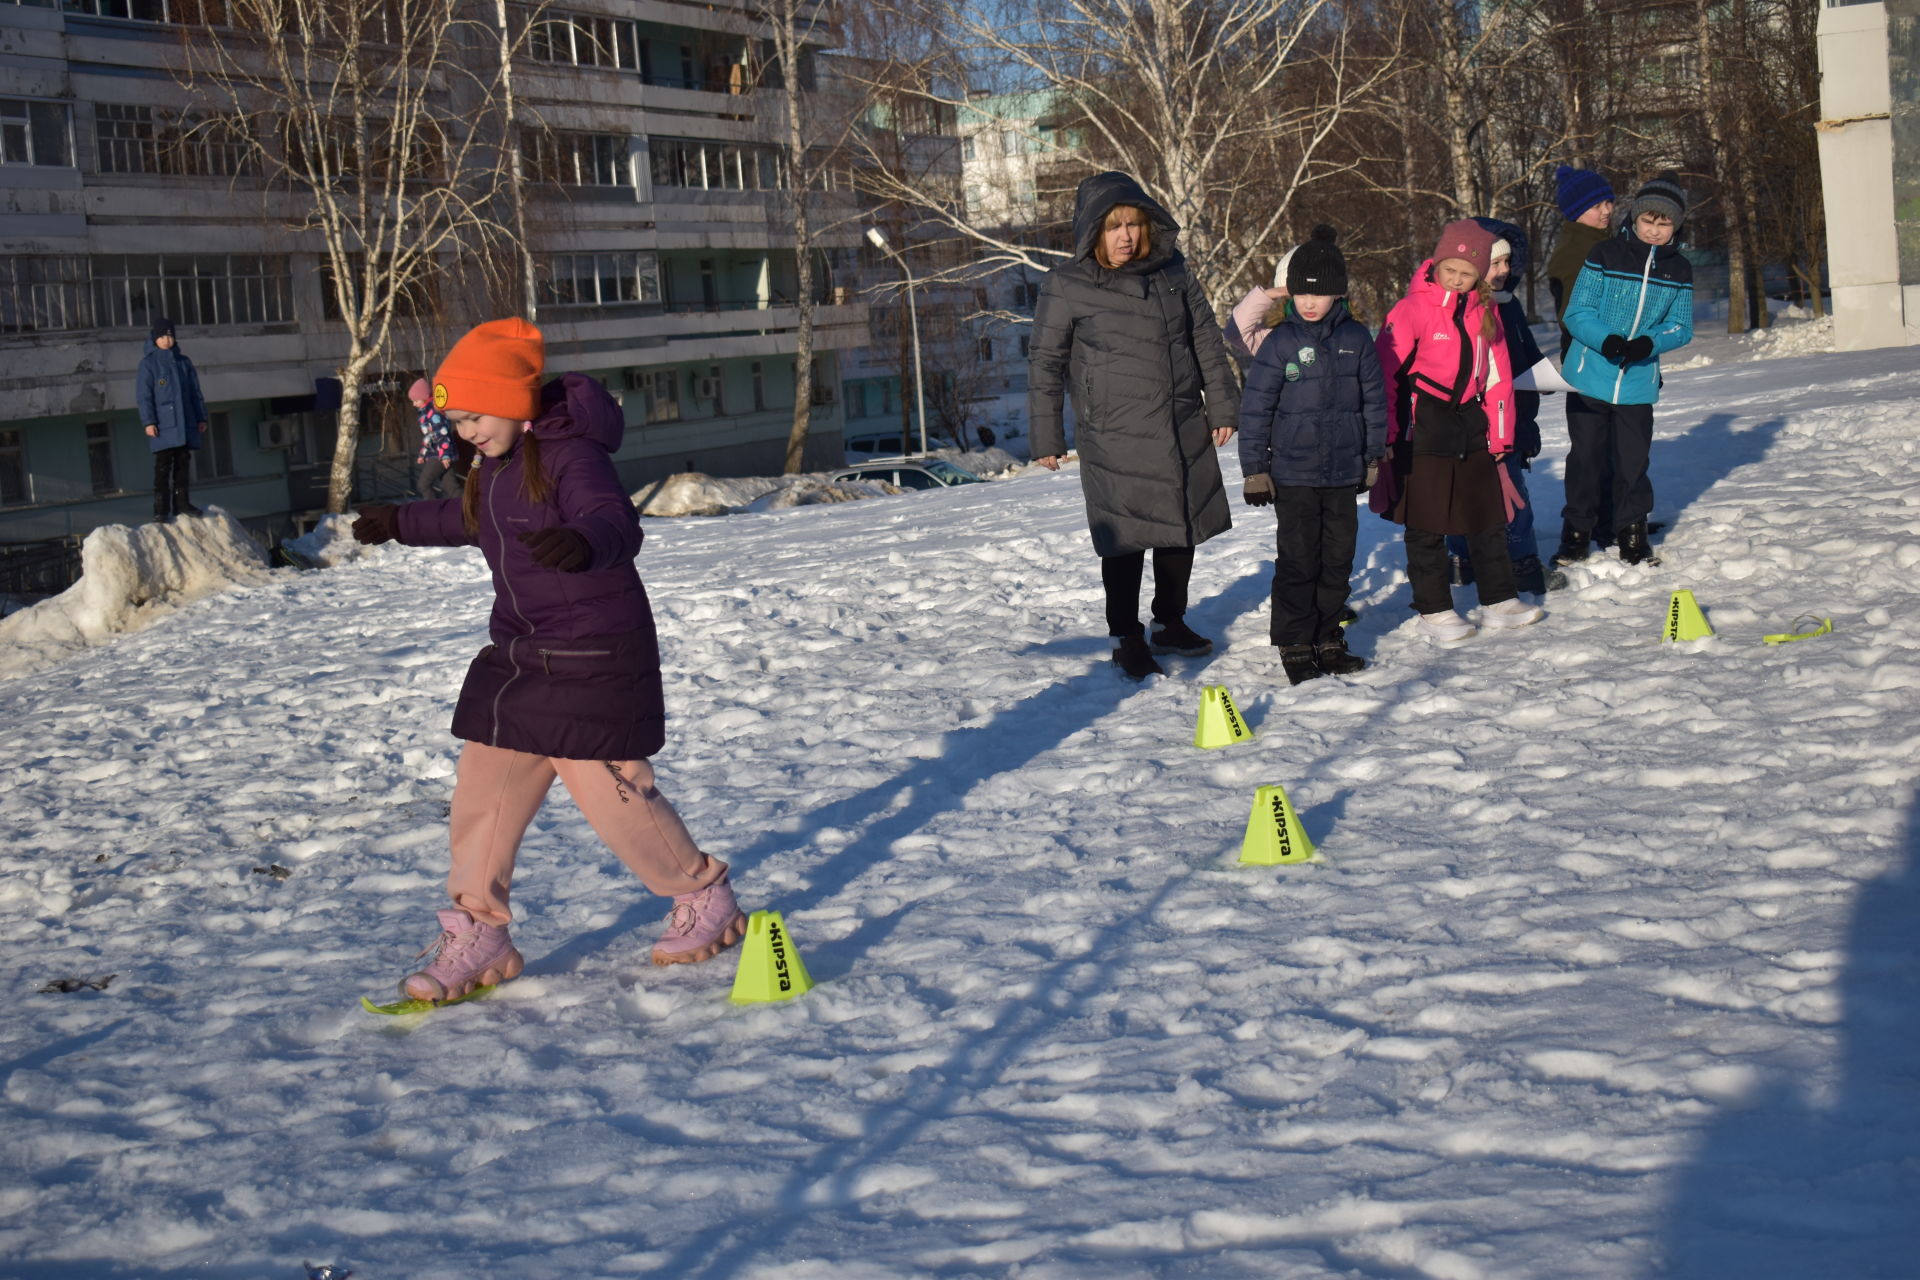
(1614, 347)
(1638, 349)
(1259, 490)
(558, 548)
(377, 524)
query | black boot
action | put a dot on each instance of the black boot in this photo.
(1345, 614)
(1575, 545)
(1634, 547)
(1334, 658)
(1299, 663)
(1177, 637)
(1134, 659)
(1530, 575)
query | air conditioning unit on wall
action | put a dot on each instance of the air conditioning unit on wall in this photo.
(706, 388)
(278, 433)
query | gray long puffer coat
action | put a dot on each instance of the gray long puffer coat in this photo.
(1140, 349)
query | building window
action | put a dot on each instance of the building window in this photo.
(697, 165)
(663, 395)
(13, 468)
(132, 290)
(35, 133)
(1025, 344)
(134, 140)
(968, 150)
(213, 460)
(578, 159)
(986, 350)
(41, 294)
(585, 40)
(759, 386)
(197, 12)
(100, 457)
(602, 279)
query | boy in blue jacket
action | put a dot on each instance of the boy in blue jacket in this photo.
(174, 414)
(1632, 301)
(1313, 428)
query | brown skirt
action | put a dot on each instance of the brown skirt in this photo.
(1442, 494)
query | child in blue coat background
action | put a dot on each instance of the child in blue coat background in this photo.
(175, 416)
(1313, 424)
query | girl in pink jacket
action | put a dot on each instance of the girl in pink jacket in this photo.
(1450, 415)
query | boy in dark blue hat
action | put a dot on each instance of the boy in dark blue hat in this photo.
(175, 416)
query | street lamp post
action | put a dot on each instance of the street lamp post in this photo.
(879, 240)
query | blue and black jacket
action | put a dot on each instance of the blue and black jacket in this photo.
(1523, 350)
(1631, 288)
(1314, 410)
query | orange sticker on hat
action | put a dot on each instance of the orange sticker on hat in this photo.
(439, 395)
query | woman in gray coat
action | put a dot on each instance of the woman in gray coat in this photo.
(1128, 332)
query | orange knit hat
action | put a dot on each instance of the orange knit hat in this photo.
(495, 370)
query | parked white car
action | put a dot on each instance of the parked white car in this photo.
(911, 473)
(869, 445)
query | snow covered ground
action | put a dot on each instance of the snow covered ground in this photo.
(1609, 967)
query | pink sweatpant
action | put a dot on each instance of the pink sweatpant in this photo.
(497, 792)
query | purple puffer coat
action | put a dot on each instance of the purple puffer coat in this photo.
(574, 667)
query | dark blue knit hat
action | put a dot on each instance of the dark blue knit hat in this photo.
(162, 328)
(1578, 190)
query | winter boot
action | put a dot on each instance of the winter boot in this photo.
(1634, 547)
(1530, 575)
(703, 923)
(468, 954)
(1176, 637)
(1336, 659)
(1575, 546)
(1298, 661)
(188, 509)
(1445, 627)
(1510, 613)
(1345, 615)
(1134, 659)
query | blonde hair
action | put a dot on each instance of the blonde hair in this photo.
(1107, 224)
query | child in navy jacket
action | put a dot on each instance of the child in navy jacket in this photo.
(1313, 426)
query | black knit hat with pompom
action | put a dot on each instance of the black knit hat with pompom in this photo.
(1318, 266)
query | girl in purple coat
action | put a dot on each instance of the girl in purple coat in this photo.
(570, 686)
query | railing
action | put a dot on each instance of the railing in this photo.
(42, 568)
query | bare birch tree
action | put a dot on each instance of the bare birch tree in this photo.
(370, 115)
(1222, 109)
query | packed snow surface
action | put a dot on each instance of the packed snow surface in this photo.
(1608, 966)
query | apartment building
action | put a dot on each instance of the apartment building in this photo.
(661, 261)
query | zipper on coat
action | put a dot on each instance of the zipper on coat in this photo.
(1639, 309)
(513, 659)
(569, 653)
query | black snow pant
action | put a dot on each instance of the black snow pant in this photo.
(1432, 574)
(1121, 574)
(171, 468)
(1607, 483)
(1313, 561)
(434, 479)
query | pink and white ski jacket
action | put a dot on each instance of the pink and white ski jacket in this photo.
(1431, 345)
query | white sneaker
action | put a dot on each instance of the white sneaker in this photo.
(1511, 613)
(1445, 627)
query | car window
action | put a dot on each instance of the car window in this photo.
(914, 478)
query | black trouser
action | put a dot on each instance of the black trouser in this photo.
(170, 470)
(1432, 576)
(1607, 464)
(433, 478)
(1313, 560)
(1121, 574)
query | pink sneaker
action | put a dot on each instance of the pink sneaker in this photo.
(470, 954)
(702, 925)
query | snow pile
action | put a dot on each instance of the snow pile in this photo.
(691, 493)
(1793, 333)
(130, 578)
(327, 544)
